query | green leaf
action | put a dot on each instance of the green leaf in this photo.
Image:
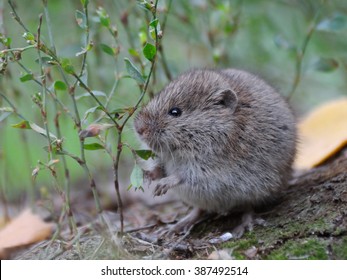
(145, 5)
(29, 36)
(133, 71)
(149, 51)
(154, 23)
(84, 3)
(35, 127)
(26, 77)
(103, 17)
(22, 125)
(5, 40)
(145, 154)
(42, 131)
(326, 64)
(93, 147)
(154, 26)
(81, 19)
(87, 94)
(334, 24)
(67, 66)
(60, 85)
(142, 37)
(90, 111)
(136, 177)
(107, 49)
(133, 52)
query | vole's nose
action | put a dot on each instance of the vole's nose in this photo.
(140, 126)
(140, 130)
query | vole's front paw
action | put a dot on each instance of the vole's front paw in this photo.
(161, 189)
(164, 184)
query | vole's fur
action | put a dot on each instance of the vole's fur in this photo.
(231, 146)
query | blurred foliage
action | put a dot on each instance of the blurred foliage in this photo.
(298, 46)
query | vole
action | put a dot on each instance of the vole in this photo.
(224, 141)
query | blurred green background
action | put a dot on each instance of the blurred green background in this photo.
(266, 37)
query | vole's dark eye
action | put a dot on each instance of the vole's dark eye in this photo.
(175, 112)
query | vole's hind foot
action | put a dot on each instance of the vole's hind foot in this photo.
(184, 225)
(247, 223)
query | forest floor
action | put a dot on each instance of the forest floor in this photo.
(309, 222)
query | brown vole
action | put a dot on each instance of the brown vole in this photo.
(224, 140)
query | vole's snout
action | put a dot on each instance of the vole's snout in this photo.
(140, 127)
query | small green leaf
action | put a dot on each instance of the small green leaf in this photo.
(67, 66)
(149, 51)
(145, 5)
(81, 19)
(60, 85)
(154, 26)
(154, 23)
(145, 154)
(107, 49)
(133, 71)
(22, 125)
(29, 37)
(93, 147)
(334, 24)
(142, 37)
(90, 111)
(326, 64)
(87, 94)
(5, 40)
(133, 52)
(26, 77)
(84, 3)
(136, 177)
(103, 17)
(42, 131)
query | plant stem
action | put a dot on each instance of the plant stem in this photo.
(301, 53)
(121, 127)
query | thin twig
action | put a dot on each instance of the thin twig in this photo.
(16, 17)
(301, 53)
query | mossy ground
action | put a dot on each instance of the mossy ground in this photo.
(310, 223)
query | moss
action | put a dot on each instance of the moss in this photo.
(240, 245)
(340, 249)
(310, 249)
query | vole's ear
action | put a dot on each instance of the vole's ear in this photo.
(227, 98)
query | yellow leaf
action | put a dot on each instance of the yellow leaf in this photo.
(322, 134)
(25, 229)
